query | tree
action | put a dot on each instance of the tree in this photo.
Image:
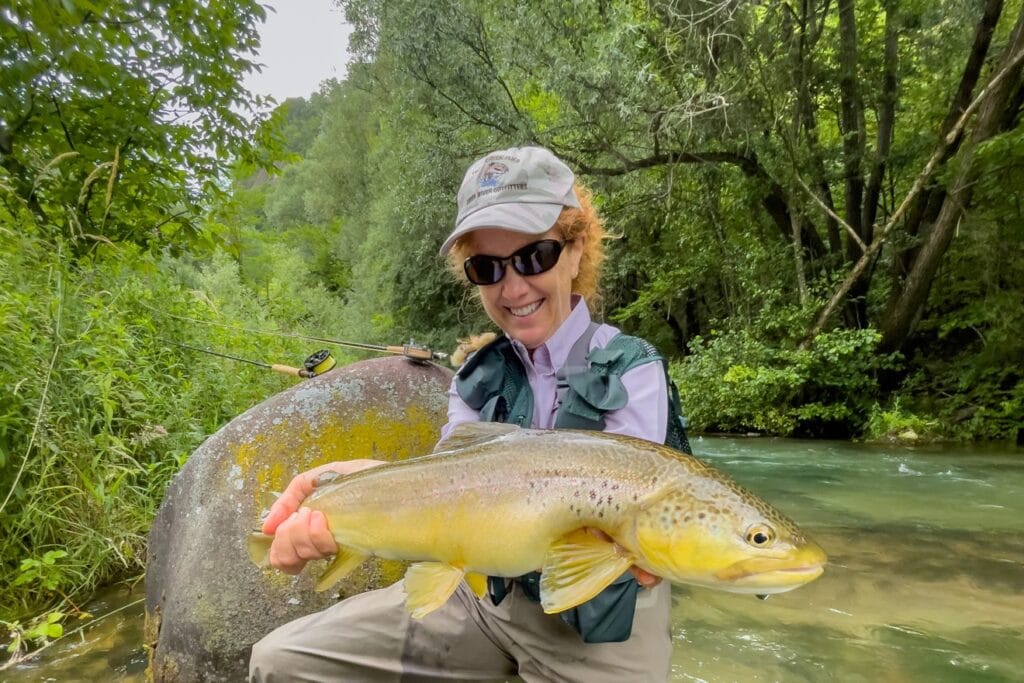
(117, 117)
(998, 113)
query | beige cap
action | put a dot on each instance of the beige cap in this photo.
(522, 189)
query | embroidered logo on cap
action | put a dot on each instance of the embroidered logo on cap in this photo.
(491, 174)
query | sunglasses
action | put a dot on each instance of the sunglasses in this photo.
(533, 259)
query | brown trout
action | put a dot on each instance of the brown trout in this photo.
(498, 500)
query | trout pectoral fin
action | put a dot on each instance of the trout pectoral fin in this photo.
(428, 585)
(477, 583)
(577, 567)
(344, 562)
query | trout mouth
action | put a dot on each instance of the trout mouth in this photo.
(754, 577)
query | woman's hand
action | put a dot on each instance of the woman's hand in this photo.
(642, 576)
(301, 534)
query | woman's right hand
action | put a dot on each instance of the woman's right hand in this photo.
(301, 534)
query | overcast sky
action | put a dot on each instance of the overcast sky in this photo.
(303, 42)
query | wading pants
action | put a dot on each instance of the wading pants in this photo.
(371, 637)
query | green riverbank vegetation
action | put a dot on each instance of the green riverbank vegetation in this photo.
(817, 211)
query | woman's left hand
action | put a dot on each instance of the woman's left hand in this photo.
(642, 576)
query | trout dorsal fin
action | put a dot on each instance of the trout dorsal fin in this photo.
(471, 433)
(577, 567)
(326, 477)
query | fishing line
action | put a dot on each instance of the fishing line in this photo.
(410, 350)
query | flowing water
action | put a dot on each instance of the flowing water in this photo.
(925, 581)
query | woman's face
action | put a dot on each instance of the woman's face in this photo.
(527, 308)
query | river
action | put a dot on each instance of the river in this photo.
(925, 580)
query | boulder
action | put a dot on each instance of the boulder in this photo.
(206, 603)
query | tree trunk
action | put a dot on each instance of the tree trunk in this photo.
(805, 117)
(852, 119)
(886, 121)
(851, 115)
(798, 261)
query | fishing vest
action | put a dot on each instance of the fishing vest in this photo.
(493, 382)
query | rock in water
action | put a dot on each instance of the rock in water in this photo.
(206, 604)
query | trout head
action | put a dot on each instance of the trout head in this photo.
(715, 534)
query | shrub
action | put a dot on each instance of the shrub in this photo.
(735, 382)
(101, 404)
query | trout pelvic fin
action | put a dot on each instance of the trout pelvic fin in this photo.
(344, 562)
(428, 585)
(471, 433)
(577, 567)
(257, 545)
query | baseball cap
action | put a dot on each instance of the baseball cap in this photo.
(522, 189)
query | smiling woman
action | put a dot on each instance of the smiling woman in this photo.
(529, 238)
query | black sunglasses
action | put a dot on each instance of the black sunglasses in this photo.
(533, 259)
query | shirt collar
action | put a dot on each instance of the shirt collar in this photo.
(556, 349)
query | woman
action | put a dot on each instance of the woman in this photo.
(528, 237)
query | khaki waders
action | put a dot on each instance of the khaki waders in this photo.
(370, 637)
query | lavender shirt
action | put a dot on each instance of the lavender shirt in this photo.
(645, 415)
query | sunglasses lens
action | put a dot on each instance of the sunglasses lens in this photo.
(484, 270)
(537, 258)
(533, 259)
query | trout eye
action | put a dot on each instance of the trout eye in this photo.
(760, 536)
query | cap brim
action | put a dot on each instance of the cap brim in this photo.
(532, 219)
